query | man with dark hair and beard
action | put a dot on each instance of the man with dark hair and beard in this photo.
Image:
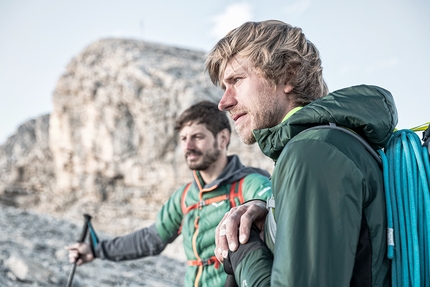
(195, 209)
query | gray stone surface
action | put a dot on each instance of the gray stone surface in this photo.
(32, 254)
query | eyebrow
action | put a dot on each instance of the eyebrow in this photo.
(193, 134)
(229, 76)
(236, 68)
(236, 71)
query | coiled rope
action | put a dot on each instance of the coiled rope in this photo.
(406, 170)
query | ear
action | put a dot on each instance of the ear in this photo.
(288, 88)
(289, 77)
(224, 138)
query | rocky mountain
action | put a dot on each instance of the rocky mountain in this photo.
(109, 148)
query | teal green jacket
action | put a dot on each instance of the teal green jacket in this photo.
(198, 225)
(328, 190)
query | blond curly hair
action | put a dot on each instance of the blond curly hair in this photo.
(276, 49)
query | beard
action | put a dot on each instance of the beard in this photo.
(265, 117)
(246, 135)
(209, 158)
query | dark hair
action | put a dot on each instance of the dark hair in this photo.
(207, 113)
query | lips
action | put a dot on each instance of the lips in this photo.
(237, 116)
(192, 154)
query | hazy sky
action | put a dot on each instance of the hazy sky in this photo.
(384, 43)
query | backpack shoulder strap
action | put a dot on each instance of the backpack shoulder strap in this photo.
(355, 135)
(235, 192)
(184, 207)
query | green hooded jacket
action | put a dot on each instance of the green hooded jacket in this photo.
(198, 225)
(330, 202)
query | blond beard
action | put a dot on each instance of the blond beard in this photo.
(246, 137)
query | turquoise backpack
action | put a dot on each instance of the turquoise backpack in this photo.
(406, 170)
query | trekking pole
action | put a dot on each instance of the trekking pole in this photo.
(87, 219)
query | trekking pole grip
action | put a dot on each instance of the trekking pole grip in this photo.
(87, 219)
(81, 239)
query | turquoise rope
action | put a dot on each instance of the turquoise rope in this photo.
(426, 193)
(390, 252)
(406, 178)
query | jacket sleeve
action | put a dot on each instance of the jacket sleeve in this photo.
(255, 251)
(318, 193)
(146, 241)
(169, 218)
(138, 244)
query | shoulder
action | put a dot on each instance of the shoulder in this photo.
(178, 194)
(256, 185)
(257, 177)
(322, 145)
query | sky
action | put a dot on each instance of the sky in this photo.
(378, 42)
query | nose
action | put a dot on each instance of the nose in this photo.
(228, 100)
(187, 144)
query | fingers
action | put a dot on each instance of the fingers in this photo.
(220, 240)
(80, 262)
(236, 225)
(226, 234)
(73, 246)
(73, 253)
(79, 253)
(222, 231)
(232, 223)
(255, 213)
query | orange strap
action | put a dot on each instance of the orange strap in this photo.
(207, 262)
(184, 195)
(235, 192)
(204, 202)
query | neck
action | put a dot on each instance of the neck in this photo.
(213, 172)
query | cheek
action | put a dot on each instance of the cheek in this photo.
(255, 95)
(202, 144)
(183, 146)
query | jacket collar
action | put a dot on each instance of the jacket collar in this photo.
(368, 110)
(233, 172)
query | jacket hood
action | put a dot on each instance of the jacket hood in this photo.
(369, 111)
(233, 172)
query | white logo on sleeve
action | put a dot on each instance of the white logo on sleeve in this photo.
(264, 191)
(217, 204)
(244, 284)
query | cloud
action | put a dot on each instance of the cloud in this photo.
(233, 16)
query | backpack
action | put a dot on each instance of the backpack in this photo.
(406, 171)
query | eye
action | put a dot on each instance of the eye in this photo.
(236, 80)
